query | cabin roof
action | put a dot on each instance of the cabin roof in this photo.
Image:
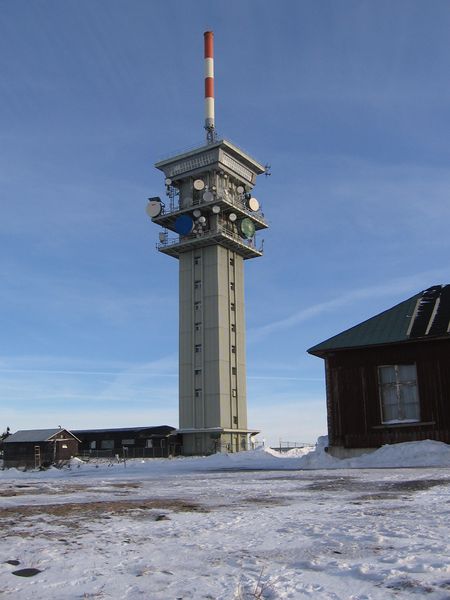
(423, 316)
(157, 428)
(35, 435)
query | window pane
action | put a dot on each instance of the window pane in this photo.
(406, 373)
(387, 374)
(409, 402)
(107, 444)
(390, 404)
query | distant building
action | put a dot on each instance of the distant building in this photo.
(133, 442)
(388, 378)
(39, 448)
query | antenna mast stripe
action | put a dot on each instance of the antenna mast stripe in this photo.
(209, 87)
(209, 67)
(209, 44)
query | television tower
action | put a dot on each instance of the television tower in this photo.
(214, 215)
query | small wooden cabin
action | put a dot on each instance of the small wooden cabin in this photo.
(39, 448)
(133, 442)
(388, 378)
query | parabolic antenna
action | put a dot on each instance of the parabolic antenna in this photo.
(247, 228)
(253, 204)
(184, 225)
(154, 208)
(216, 209)
(168, 181)
(240, 189)
(232, 217)
(202, 220)
(208, 197)
(197, 213)
(199, 184)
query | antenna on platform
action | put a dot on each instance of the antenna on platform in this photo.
(209, 87)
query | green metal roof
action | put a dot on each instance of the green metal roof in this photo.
(388, 327)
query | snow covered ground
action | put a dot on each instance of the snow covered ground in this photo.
(254, 525)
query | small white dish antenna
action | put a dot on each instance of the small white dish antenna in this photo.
(240, 189)
(199, 184)
(202, 220)
(168, 181)
(153, 208)
(208, 196)
(197, 213)
(216, 209)
(253, 204)
(232, 217)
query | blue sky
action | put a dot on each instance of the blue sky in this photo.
(348, 101)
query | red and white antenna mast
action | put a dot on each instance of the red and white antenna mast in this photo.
(209, 87)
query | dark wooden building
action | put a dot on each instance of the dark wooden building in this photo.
(388, 378)
(39, 448)
(133, 442)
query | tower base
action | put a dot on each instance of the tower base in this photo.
(203, 442)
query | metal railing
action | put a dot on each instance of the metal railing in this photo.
(235, 202)
(221, 229)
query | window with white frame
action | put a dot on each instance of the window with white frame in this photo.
(398, 394)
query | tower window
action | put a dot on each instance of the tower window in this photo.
(233, 327)
(198, 326)
(234, 393)
(235, 420)
(198, 392)
(198, 347)
(197, 305)
(197, 260)
(198, 371)
(231, 285)
(232, 262)
(232, 306)
(197, 284)
(233, 370)
(233, 349)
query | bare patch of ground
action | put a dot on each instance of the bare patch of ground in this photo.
(54, 489)
(26, 520)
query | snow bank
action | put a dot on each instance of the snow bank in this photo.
(410, 454)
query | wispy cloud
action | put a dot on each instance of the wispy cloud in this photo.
(402, 285)
(73, 394)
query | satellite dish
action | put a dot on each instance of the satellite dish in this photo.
(253, 204)
(197, 213)
(168, 181)
(208, 196)
(232, 217)
(202, 220)
(216, 209)
(154, 208)
(199, 184)
(240, 189)
(184, 225)
(247, 228)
